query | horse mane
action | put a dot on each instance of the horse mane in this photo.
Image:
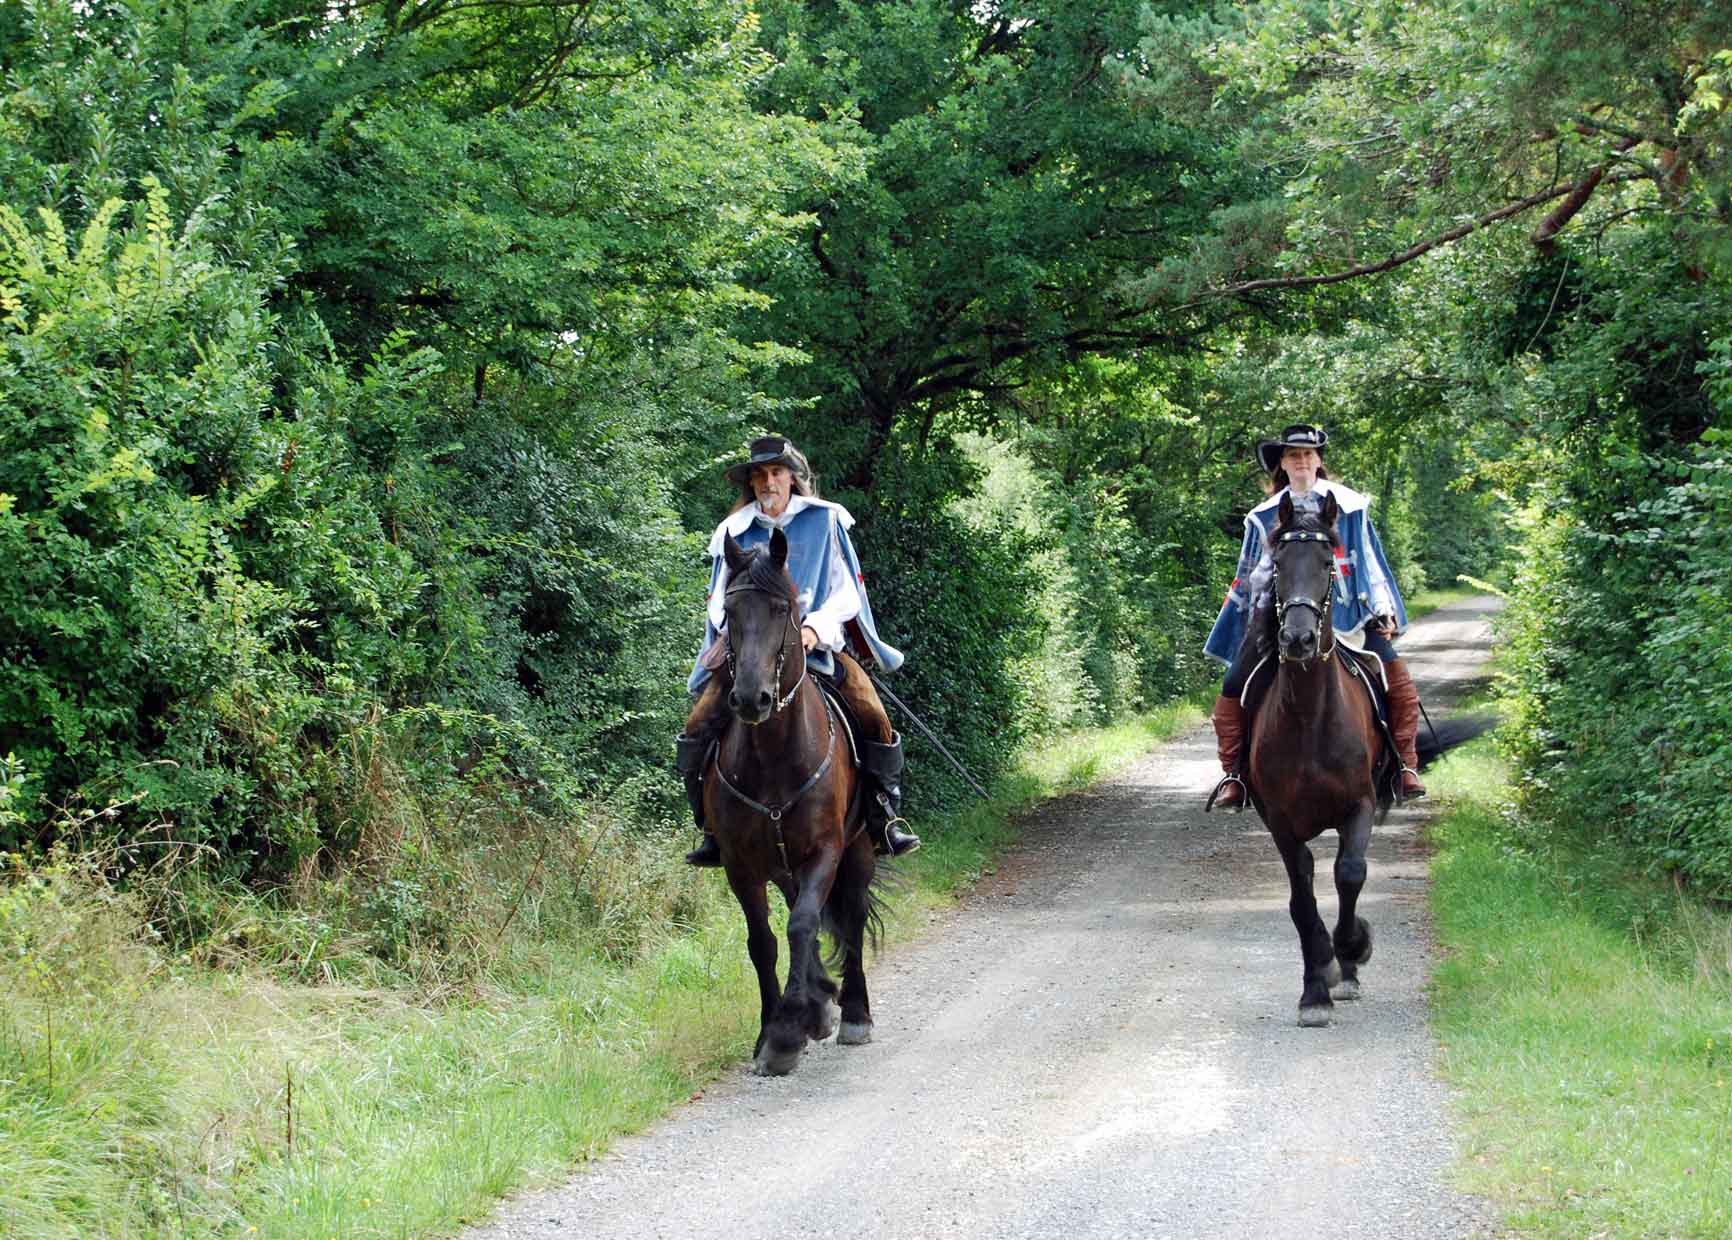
(766, 575)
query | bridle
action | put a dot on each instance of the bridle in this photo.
(746, 587)
(775, 812)
(1320, 609)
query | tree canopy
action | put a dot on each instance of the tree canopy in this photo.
(367, 369)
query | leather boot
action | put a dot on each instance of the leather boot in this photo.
(1404, 724)
(882, 764)
(689, 755)
(1229, 720)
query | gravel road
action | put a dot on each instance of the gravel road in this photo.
(1099, 1042)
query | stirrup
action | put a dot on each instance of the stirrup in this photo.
(706, 854)
(895, 842)
(1244, 794)
(1403, 798)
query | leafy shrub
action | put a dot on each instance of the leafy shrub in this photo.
(1620, 656)
(201, 583)
(959, 603)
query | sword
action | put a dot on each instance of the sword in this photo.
(928, 734)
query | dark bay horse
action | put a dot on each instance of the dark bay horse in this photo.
(1318, 759)
(786, 806)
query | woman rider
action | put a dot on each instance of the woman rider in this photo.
(778, 491)
(1367, 612)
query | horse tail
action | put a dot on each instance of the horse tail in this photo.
(852, 903)
(1435, 741)
(875, 910)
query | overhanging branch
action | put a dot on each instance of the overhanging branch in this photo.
(1412, 252)
(1545, 236)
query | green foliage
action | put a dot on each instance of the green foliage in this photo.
(956, 601)
(1013, 181)
(251, 512)
(129, 395)
(1114, 640)
(1620, 648)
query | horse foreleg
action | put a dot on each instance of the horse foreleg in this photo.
(1352, 933)
(1320, 967)
(796, 1019)
(761, 946)
(850, 909)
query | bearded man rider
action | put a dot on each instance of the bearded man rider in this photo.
(778, 490)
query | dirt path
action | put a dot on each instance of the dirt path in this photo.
(1101, 1042)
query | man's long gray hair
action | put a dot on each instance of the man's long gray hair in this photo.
(805, 482)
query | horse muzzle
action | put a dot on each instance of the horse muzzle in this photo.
(1299, 647)
(749, 707)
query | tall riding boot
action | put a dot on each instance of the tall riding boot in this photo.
(689, 755)
(1404, 723)
(1229, 720)
(882, 764)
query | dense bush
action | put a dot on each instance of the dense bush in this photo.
(1621, 653)
(251, 524)
(958, 602)
(1620, 628)
(1122, 619)
(157, 633)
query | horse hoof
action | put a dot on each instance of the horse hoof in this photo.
(775, 1063)
(854, 1033)
(826, 1022)
(1313, 1017)
(1332, 974)
(1347, 988)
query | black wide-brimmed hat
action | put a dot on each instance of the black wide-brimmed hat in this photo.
(767, 450)
(1295, 436)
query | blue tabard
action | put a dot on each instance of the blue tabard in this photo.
(816, 535)
(1359, 560)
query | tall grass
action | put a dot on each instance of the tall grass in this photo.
(386, 1057)
(1585, 1014)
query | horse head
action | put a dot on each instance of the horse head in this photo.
(1303, 549)
(763, 629)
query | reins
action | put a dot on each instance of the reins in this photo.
(775, 812)
(1320, 609)
(781, 651)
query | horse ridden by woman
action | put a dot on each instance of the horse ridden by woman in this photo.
(1314, 589)
(1319, 758)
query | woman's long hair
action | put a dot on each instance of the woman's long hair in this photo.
(1279, 480)
(804, 481)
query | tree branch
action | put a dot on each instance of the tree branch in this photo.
(1404, 256)
(1545, 236)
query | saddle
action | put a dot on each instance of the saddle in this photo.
(1365, 668)
(825, 678)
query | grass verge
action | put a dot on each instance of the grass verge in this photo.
(145, 1091)
(1585, 1014)
(1428, 601)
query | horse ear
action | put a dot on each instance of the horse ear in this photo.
(1331, 510)
(1284, 512)
(778, 548)
(731, 552)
